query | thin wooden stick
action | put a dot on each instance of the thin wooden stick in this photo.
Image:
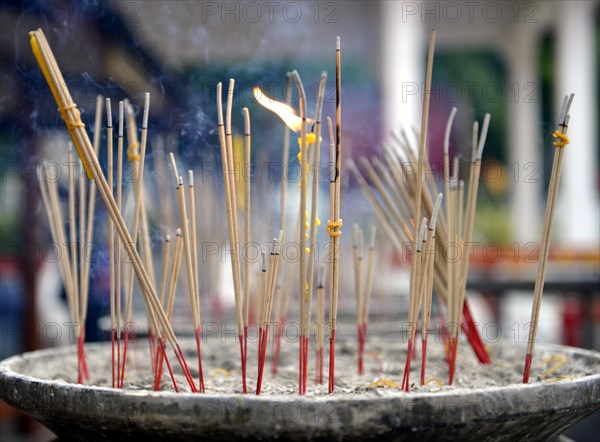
(561, 141)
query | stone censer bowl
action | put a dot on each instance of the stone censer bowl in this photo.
(538, 411)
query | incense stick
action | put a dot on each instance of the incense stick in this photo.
(561, 141)
(194, 252)
(247, 192)
(111, 236)
(119, 265)
(334, 224)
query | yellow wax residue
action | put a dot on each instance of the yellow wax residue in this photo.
(385, 383)
(332, 226)
(310, 139)
(561, 139)
(436, 380)
(559, 360)
(219, 372)
(560, 378)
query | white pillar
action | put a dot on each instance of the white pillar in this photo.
(525, 159)
(403, 72)
(577, 221)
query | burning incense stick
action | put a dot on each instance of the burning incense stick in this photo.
(247, 191)
(561, 141)
(76, 128)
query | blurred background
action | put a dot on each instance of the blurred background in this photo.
(513, 59)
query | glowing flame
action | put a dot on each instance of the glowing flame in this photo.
(285, 111)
